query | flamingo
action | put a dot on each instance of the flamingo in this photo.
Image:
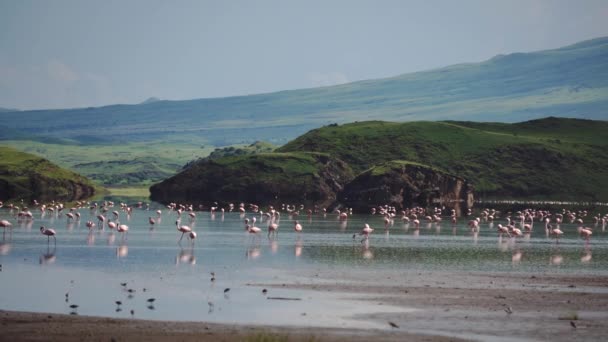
(585, 232)
(48, 233)
(503, 230)
(515, 231)
(273, 228)
(90, 224)
(101, 219)
(556, 232)
(365, 232)
(121, 228)
(253, 229)
(151, 221)
(182, 229)
(6, 224)
(112, 225)
(297, 226)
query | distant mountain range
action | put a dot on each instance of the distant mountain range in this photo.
(567, 82)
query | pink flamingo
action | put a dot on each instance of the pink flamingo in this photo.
(273, 227)
(121, 228)
(365, 232)
(151, 221)
(387, 222)
(90, 224)
(48, 233)
(101, 219)
(6, 224)
(253, 229)
(112, 225)
(503, 230)
(297, 226)
(515, 231)
(556, 232)
(585, 232)
(182, 229)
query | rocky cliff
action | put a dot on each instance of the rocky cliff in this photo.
(404, 184)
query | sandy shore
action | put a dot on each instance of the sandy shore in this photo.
(445, 307)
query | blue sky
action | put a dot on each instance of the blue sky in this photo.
(78, 53)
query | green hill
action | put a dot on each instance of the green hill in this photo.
(551, 158)
(257, 178)
(558, 158)
(25, 176)
(152, 140)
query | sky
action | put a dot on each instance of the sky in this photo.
(81, 53)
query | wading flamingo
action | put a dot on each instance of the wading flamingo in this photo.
(182, 229)
(365, 232)
(48, 233)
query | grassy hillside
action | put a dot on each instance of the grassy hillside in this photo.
(28, 177)
(141, 144)
(133, 164)
(256, 178)
(557, 158)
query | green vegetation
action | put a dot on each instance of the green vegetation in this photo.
(256, 178)
(25, 176)
(237, 150)
(548, 158)
(523, 160)
(129, 164)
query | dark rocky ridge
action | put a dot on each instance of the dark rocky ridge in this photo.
(403, 184)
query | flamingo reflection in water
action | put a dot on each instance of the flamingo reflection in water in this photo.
(48, 257)
(5, 246)
(186, 256)
(586, 258)
(122, 251)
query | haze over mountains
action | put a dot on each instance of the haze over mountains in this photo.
(568, 82)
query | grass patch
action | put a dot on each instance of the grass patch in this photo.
(129, 191)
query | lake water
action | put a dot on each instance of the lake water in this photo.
(90, 266)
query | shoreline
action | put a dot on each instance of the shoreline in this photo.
(31, 326)
(446, 306)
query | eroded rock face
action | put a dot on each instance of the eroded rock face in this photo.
(403, 185)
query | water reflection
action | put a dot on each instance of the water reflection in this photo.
(298, 247)
(48, 257)
(253, 252)
(586, 258)
(185, 256)
(5, 245)
(122, 251)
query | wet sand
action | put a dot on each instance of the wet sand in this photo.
(442, 306)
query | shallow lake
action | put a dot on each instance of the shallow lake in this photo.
(89, 268)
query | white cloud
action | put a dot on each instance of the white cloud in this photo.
(320, 79)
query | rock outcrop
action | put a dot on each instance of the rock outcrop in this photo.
(404, 184)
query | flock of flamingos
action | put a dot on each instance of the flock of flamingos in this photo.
(516, 224)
